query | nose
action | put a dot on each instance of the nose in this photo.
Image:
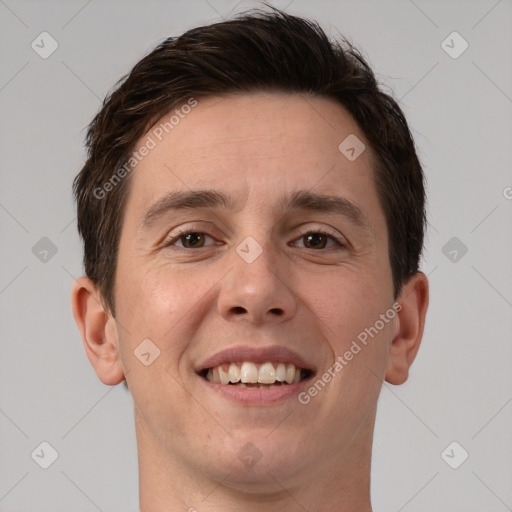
(257, 292)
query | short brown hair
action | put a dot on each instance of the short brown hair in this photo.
(255, 51)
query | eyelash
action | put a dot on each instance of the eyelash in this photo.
(323, 232)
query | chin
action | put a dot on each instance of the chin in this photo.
(262, 461)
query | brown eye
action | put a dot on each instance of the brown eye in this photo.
(316, 240)
(192, 240)
(189, 240)
(319, 240)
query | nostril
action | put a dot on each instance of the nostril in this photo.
(239, 309)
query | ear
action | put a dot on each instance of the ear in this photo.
(99, 331)
(410, 321)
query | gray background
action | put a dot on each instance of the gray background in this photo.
(459, 110)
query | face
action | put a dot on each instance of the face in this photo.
(282, 265)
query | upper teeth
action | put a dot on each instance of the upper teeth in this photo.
(248, 372)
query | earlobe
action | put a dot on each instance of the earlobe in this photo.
(410, 323)
(98, 330)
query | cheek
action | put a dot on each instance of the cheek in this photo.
(152, 306)
(346, 302)
(155, 306)
(349, 315)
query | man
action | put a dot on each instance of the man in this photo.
(252, 212)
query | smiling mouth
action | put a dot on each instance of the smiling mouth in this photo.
(251, 375)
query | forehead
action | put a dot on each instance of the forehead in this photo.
(242, 125)
(254, 147)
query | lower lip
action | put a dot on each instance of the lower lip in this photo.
(257, 396)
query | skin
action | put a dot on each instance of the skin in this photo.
(193, 302)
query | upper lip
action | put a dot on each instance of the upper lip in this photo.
(274, 353)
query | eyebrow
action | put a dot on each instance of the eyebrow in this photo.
(299, 200)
